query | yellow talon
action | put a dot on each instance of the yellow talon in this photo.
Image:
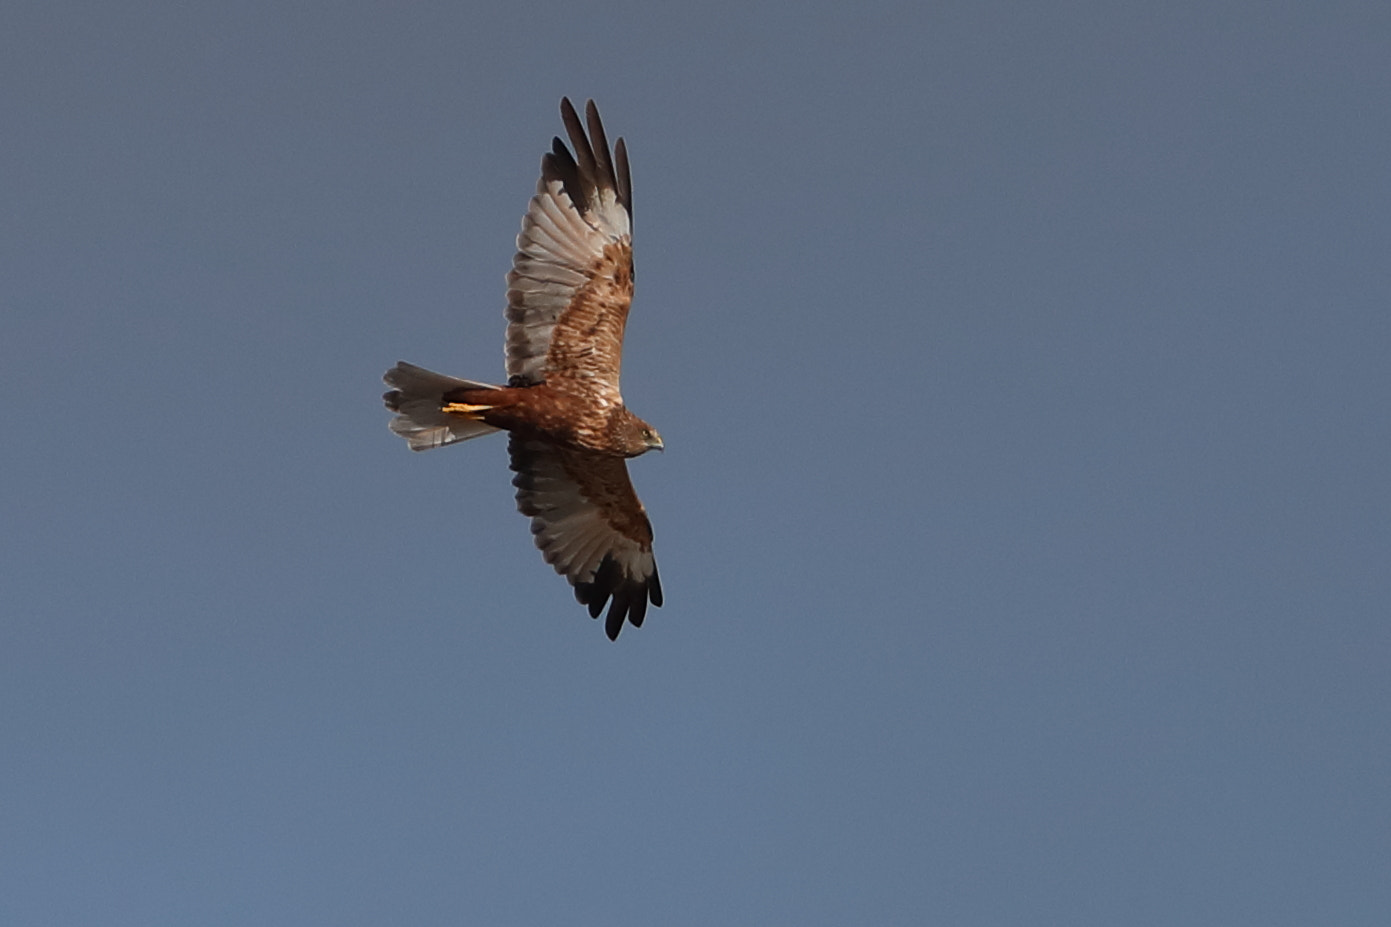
(463, 408)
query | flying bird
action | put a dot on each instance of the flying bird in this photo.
(570, 433)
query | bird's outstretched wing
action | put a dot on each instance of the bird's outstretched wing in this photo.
(590, 526)
(572, 278)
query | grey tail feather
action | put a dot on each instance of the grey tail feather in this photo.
(416, 397)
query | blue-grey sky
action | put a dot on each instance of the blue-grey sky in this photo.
(1024, 525)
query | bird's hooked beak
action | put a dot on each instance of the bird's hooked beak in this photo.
(654, 442)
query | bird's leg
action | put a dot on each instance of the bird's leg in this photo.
(468, 410)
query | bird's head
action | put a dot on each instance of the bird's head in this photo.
(636, 436)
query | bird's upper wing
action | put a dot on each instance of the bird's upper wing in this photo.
(572, 277)
(590, 526)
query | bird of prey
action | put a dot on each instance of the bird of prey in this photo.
(570, 433)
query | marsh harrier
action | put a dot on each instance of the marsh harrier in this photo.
(567, 303)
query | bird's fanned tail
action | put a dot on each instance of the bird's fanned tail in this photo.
(417, 398)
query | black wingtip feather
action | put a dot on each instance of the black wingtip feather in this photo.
(626, 599)
(584, 153)
(599, 146)
(614, 622)
(560, 165)
(625, 178)
(590, 167)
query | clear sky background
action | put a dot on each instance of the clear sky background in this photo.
(1025, 521)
